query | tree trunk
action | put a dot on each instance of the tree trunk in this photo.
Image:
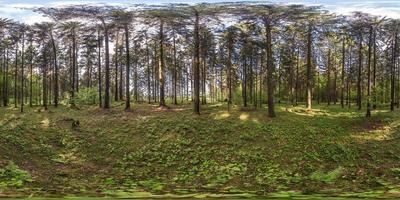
(31, 75)
(175, 69)
(22, 72)
(44, 73)
(148, 71)
(229, 68)
(374, 73)
(73, 66)
(309, 67)
(343, 72)
(296, 95)
(15, 77)
(369, 73)
(55, 70)
(161, 65)
(244, 85)
(99, 69)
(270, 71)
(393, 72)
(116, 69)
(328, 79)
(107, 69)
(127, 70)
(5, 75)
(359, 72)
(196, 66)
(120, 88)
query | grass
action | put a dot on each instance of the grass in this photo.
(147, 152)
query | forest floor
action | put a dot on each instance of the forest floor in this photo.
(152, 152)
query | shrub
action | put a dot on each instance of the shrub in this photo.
(12, 176)
(87, 96)
(329, 177)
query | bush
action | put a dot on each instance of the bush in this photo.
(329, 177)
(12, 176)
(88, 96)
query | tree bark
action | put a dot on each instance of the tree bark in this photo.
(99, 69)
(196, 66)
(309, 67)
(328, 80)
(343, 71)
(175, 69)
(393, 71)
(359, 72)
(107, 69)
(31, 75)
(15, 77)
(127, 70)
(116, 68)
(368, 114)
(270, 71)
(22, 72)
(161, 65)
(55, 70)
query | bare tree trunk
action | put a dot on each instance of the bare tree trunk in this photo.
(2, 78)
(121, 87)
(393, 72)
(244, 84)
(229, 68)
(5, 78)
(31, 76)
(127, 70)
(343, 71)
(196, 66)
(99, 68)
(44, 82)
(175, 69)
(161, 65)
(369, 73)
(148, 71)
(107, 69)
(374, 73)
(116, 68)
(55, 70)
(328, 79)
(73, 65)
(309, 67)
(270, 71)
(22, 72)
(359, 72)
(296, 95)
(15, 77)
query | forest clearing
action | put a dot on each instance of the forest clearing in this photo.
(225, 100)
(329, 151)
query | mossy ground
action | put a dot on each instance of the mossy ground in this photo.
(90, 151)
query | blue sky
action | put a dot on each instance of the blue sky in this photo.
(13, 8)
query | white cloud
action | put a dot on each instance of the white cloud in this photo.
(36, 19)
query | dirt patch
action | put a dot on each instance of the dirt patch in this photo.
(367, 126)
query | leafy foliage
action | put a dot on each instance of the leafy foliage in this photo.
(328, 177)
(11, 176)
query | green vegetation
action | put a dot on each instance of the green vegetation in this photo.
(149, 152)
(13, 177)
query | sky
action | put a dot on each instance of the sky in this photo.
(19, 9)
